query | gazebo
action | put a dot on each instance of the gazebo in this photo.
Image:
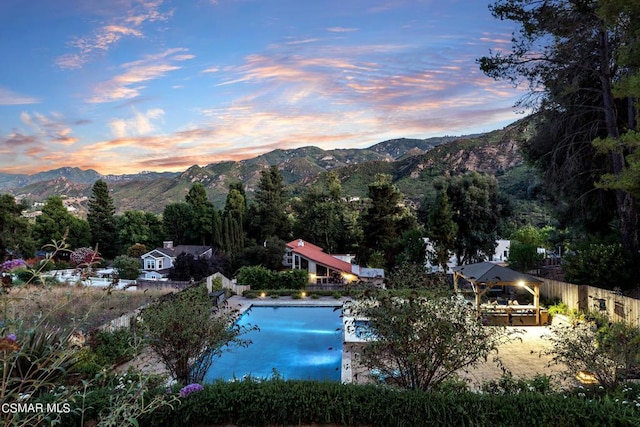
(481, 277)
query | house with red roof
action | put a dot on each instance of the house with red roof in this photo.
(325, 268)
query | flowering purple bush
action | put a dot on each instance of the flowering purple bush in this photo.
(191, 388)
(12, 264)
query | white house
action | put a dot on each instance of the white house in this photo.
(500, 255)
(157, 262)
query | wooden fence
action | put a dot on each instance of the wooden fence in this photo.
(124, 321)
(582, 297)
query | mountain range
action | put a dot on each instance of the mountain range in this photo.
(413, 163)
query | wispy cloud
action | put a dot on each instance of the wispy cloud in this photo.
(341, 29)
(139, 124)
(127, 85)
(9, 97)
(108, 34)
(53, 128)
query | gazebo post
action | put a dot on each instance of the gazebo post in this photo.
(536, 302)
(536, 298)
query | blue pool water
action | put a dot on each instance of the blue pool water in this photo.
(299, 342)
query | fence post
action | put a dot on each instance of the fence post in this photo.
(583, 297)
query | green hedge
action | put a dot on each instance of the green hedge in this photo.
(278, 402)
(287, 403)
(259, 277)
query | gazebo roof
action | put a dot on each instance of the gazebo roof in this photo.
(488, 272)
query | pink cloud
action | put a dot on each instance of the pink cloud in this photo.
(127, 85)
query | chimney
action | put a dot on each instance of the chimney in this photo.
(300, 242)
(167, 244)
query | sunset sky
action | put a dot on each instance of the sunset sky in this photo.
(122, 86)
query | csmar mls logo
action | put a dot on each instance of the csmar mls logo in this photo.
(17, 407)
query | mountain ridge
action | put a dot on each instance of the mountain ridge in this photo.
(410, 161)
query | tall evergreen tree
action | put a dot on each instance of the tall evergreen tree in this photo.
(322, 216)
(176, 222)
(201, 230)
(385, 219)
(102, 220)
(233, 220)
(268, 216)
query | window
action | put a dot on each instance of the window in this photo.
(150, 264)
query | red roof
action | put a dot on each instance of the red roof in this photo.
(316, 254)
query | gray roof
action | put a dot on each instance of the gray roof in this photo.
(196, 251)
(487, 272)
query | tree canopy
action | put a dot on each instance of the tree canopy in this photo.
(268, 212)
(15, 231)
(580, 59)
(56, 223)
(102, 220)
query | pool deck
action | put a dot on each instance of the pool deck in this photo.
(522, 358)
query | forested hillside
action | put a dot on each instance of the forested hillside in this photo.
(413, 163)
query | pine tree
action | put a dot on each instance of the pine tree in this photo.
(102, 220)
(268, 215)
(385, 219)
(201, 229)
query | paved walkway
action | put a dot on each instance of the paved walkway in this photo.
(522, 358)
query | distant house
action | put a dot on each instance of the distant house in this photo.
(157, 262)
(325, 268)
(500, 256)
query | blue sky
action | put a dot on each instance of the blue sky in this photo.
(122, 86)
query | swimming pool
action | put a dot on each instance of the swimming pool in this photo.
(299, 342)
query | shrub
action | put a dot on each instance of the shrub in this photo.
(84, 257)
(421, 342)
(27, 275)
(507, 384)
(257, 277)
(599, 264)
(33, 363)
(127, 267)
(608, 350)
(559, 308)
(292, 279)
(114, 347)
